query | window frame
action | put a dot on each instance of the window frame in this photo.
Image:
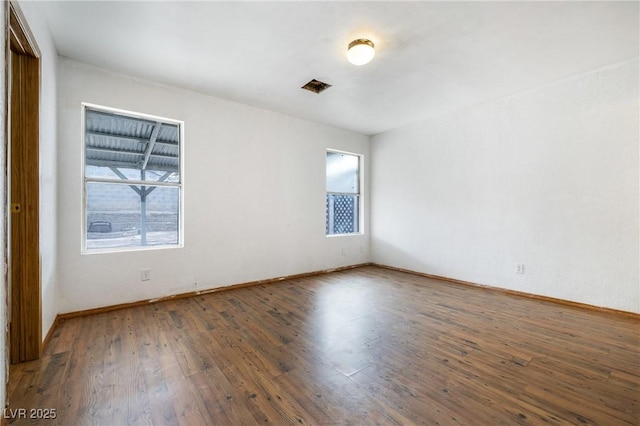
(359, 194)
(86, 180)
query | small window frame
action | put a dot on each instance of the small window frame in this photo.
(360, 194)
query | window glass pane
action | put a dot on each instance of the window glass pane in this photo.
(343, 173)
(342, 214)
(118, 217)
(117, 145)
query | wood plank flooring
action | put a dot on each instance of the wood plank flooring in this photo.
(364, 346)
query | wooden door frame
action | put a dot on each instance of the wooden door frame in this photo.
(24, 274)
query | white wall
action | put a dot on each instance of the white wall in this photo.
(547, 178)
(48, 161)
(254, 195)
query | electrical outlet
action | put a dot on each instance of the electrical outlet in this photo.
(520, 268)
(145, 274)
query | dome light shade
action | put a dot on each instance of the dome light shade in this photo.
(360, 51)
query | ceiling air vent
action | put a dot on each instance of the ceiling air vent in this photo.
(316, 86)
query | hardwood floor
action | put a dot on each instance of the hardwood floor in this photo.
(364, 346)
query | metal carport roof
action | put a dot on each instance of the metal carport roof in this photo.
(118, 141)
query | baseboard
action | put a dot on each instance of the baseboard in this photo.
(47, 338)
(104, 309)
(111, 308)
(515, 292)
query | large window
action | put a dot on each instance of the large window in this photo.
(343, 193)
(132, 181)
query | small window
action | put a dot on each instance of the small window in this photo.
(343, 193)
(132, 181)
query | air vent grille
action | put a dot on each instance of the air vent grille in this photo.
(316, 86)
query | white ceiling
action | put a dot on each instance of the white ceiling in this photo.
(431, 57)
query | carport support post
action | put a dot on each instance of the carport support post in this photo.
(143, 211)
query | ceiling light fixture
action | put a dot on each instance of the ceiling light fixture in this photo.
(360, 51)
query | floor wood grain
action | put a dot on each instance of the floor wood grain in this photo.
(364, 346)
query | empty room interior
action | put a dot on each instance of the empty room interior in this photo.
(321, 213)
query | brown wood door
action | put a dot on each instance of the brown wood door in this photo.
(25, 331)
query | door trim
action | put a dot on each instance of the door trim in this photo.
(23, 235)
